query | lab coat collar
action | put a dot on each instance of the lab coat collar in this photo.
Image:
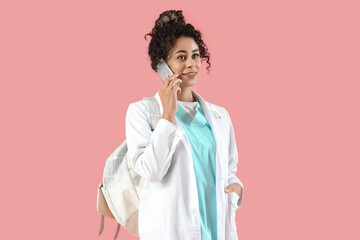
(198, 119)
(208, 109)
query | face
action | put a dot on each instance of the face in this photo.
(185, 58)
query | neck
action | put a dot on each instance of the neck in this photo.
(186, 95)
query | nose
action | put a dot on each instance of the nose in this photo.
(190, 62)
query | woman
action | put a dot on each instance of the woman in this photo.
(190, 159)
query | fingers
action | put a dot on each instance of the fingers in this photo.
(177, 89)
(168, 78)
(172, 82)
(235, 187)
(229, 189)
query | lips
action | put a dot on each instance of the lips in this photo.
(193, 73)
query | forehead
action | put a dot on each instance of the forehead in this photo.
(185, 43)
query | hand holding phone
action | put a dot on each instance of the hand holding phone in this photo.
(163, 69)
(168, 92)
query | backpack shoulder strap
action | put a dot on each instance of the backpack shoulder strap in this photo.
(153, 111)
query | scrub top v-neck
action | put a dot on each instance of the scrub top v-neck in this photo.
(203, 148)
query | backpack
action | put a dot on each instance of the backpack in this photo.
(118, 193)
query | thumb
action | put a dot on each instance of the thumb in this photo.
(228, 189)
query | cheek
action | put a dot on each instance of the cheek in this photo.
(178, 67)
(175, 66)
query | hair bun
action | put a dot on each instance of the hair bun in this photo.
(167, 17)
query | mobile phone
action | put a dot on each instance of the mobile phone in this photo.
(163, 69)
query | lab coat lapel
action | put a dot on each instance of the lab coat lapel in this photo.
(212, 117)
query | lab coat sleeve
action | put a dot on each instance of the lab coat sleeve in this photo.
(150, 152)
(233, 161)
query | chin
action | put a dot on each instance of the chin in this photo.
(188, 83)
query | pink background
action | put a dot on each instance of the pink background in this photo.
(287, 72)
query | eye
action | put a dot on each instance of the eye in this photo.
(196, 56)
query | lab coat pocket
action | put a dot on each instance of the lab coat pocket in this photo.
(152, 211)
(233, 199)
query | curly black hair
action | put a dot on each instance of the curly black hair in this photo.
(168, 28)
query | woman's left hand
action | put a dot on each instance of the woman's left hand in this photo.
(234, 187)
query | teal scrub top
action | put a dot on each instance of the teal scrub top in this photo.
(203, 148)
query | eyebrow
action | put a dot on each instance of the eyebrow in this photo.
(186, 51)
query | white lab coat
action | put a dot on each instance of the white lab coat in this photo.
(169, 207)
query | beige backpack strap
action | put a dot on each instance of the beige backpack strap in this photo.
(101, 225)
(117, 231)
